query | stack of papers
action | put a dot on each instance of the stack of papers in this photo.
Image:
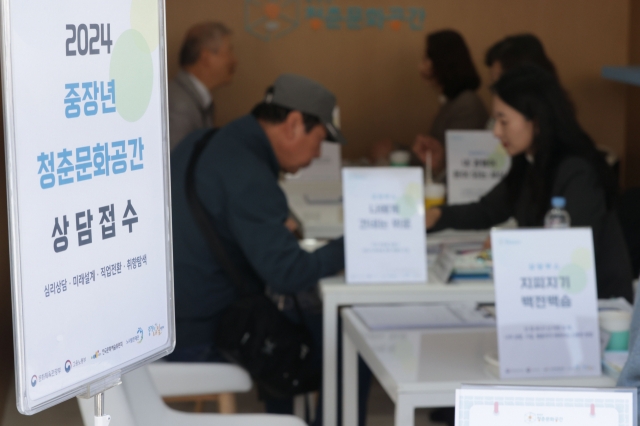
(461, 262)
(398, 317)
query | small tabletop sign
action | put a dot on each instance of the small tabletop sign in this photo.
(546, 303)
(384, 220)
(510, 406)
(476, 162)
(324, 168)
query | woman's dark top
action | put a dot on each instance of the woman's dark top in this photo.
(576, 180)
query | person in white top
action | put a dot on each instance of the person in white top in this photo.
(207, 62)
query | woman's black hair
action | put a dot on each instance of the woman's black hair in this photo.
(538, 96)
(452, 64)
(517, 50)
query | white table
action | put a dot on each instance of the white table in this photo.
(336, 293)
(324, 220)
(424, 367)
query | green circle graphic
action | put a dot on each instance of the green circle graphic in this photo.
(577, 276)
(144, 19)
(499, 156)
(407, 206)
(581, 257)
(132, 70)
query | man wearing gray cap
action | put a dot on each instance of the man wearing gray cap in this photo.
(236, 180)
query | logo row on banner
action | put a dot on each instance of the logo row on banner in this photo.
(154, 330)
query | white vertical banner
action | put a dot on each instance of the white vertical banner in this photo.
(89, 196)
(546, 302)
(476, 162)
(384, 217)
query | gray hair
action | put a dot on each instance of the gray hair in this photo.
(205, 35)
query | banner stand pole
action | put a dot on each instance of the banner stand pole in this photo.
(98, 405)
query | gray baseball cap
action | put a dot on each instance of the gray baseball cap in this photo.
(310, 97)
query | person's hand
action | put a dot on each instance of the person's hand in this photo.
(432, 217)
(426, 144)
(380, 151)
(487, 244)
(291, 224)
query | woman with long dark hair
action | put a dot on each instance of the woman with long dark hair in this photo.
(448, 66)
(551, 156)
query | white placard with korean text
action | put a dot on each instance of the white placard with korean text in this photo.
(89, 199)
(546, 302)
(514, 406)
(476, 162)
(384, 219)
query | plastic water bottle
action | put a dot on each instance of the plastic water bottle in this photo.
(557, 217)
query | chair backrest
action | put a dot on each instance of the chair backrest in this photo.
(137, 402)
(145, 402)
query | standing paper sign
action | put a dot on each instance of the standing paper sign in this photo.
(324, 168)
(476, 162)
(546, 303)
(384, 218)
(514, 406)
(89, 201)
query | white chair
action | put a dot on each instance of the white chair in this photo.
(137, 402)
(199, 383)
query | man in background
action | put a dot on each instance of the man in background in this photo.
(207, 62)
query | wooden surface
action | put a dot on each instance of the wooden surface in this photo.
(374, 72)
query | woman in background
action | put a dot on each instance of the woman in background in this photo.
(506, 54)
(448, 67)
(551, 156)
(514, 51)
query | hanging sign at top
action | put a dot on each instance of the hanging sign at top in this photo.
(88, 183)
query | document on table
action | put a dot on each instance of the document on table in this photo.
(513, 406)
(324, 197)
(398, 317)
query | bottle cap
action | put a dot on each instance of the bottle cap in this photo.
(558, 202)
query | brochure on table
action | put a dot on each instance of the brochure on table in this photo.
(476, 162)
(384, 220)
(514, 406)
(88, 183)
(546, 303)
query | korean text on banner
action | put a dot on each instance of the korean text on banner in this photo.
(87, 164)
(546, 302)
(384, 217)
